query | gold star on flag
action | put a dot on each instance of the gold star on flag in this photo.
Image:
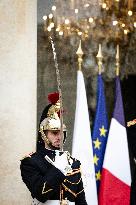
(95, 158)
(98, 175)
(97, 143)
(102, 131)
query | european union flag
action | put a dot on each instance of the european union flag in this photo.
(100, 130)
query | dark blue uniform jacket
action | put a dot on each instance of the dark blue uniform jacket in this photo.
(44, 181)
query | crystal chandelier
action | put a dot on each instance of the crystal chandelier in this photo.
(113, 19)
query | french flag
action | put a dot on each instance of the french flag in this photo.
(116, 177)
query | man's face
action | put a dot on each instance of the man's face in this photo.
(54, 137)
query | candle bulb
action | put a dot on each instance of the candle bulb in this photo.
(117, 53)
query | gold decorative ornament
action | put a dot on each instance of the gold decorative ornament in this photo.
(52, 122)
(99, 57)
(53, 111)
(79, 54)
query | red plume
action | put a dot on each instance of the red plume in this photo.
(53, 97)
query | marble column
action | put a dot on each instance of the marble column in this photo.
(18, 87)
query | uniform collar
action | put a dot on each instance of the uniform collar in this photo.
(44, 151)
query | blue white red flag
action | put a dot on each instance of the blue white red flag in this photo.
(116, 177)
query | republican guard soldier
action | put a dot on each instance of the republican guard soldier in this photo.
(52, 176)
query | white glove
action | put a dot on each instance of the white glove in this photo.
(61, 162)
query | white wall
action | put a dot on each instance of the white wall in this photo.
(18, 85)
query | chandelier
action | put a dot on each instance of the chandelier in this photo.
(113, 19)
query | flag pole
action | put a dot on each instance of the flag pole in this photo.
(117, 61)
(79, 54)
(99, 58)
(82, 148)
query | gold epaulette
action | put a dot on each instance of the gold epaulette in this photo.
(130, 123)
(28, 155)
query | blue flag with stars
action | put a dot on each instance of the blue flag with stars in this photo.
(100, 130)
